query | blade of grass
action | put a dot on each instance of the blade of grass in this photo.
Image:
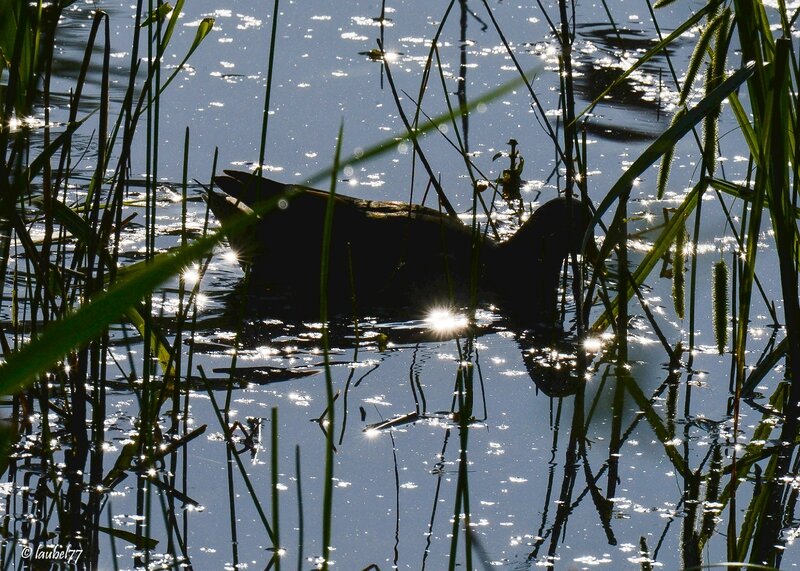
(92, 318)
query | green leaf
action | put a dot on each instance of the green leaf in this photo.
(82, 230)
(202, 31)
(158, 342)
(157, 15)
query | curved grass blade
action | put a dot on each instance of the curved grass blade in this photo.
(82, 230)
(202, 31)
(91, 319)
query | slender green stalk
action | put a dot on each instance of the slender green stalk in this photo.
(327, 502)
(275, 491)
(268, 89)
(300, 517)
(679, 273)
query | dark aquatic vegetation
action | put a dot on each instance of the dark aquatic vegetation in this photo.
(394, 254)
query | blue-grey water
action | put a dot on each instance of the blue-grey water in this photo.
(395, 488)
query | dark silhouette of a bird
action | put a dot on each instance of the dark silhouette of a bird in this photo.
(394, 254)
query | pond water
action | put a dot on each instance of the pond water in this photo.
(553, 478)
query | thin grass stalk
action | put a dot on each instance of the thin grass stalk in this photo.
(745, 281)
(300, 518)
(278, 551)
(327, 502)
(621, 224)
(457, 509)
(567, 97)
(268, 88)
(226, 430)
(189, 361)
(167, 495)
(461, 85)
(582, 308)
(48, 192)
(144, 488)
(693, 289)
(679, 274)
(176, 353)
(397, 511)
(465, 398)
(719, 301)
(101, 353)
(715, 73)
(230, 454)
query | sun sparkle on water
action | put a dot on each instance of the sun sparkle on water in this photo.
(445, 321)
(191, 276)
(231, 257)
(593, 345)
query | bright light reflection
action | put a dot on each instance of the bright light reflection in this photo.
(593, 345)
(191, 276)
(444, 321)
(231, 257)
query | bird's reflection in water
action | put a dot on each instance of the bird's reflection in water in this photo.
(272, 320)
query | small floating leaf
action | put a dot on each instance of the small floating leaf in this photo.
(719, 300)
(679, 273)
(383, 342)
(401, 420)
(130, 537)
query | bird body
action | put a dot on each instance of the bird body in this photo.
(390, 254)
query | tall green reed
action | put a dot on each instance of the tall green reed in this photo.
(35, 170)
(766, 120)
